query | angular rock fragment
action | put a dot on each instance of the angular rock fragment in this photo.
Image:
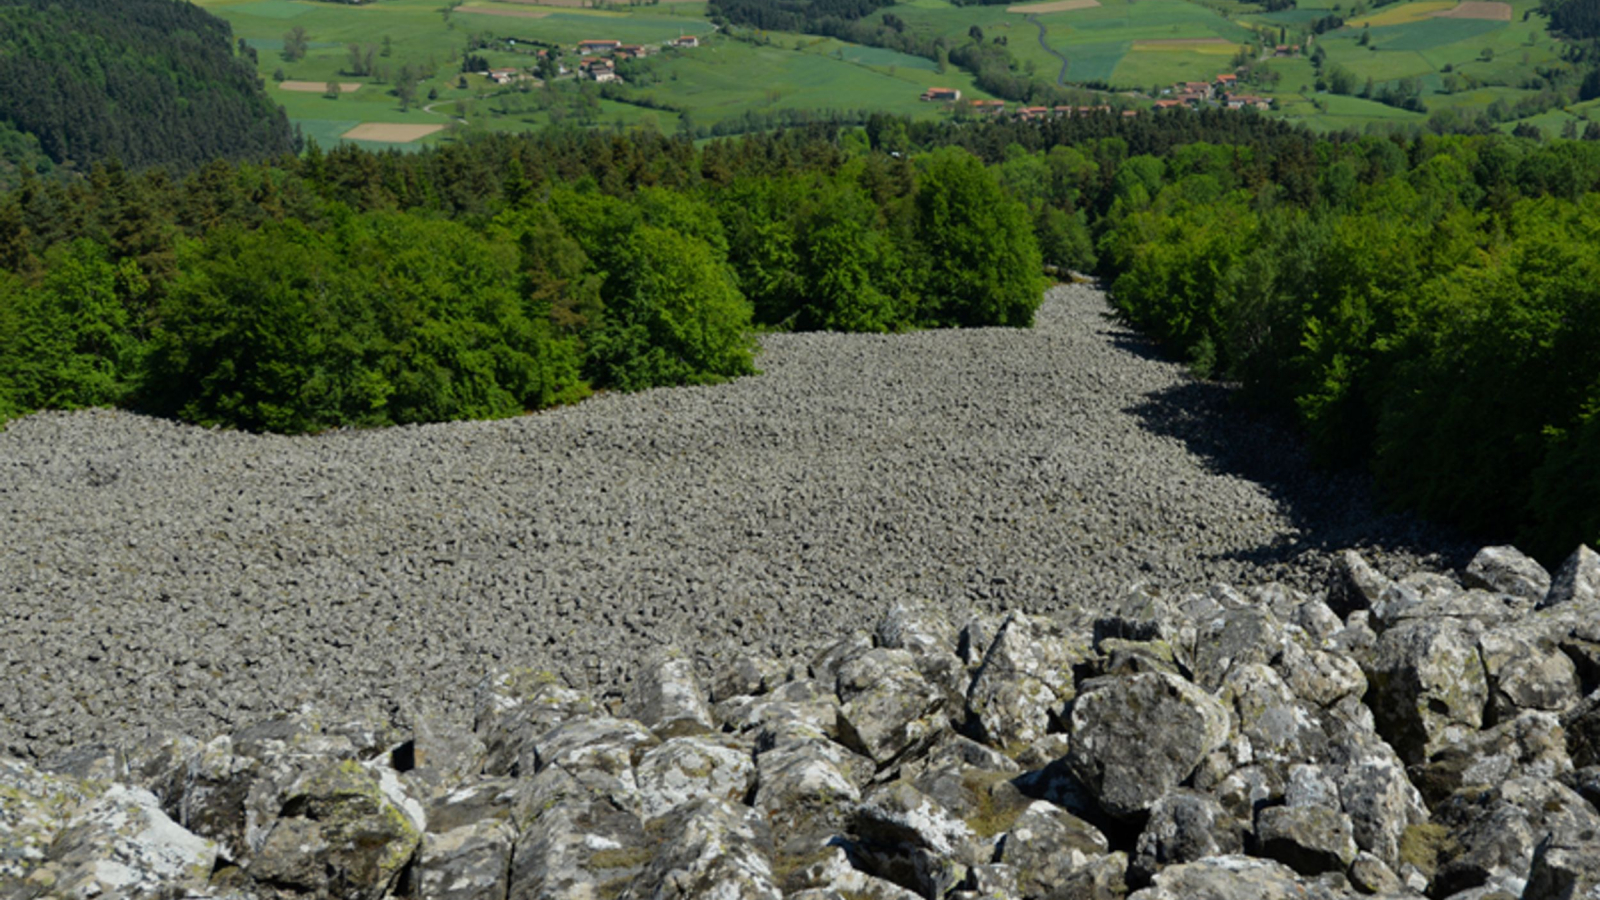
(667, 699)
(1577, 581)
(889, 708)
(1184, 826)
(709, 848)
(1025, 681)
(467, 862)
(1509, 571)
(1353, 584)
(1136, 737)
(1046, 844)
(1428, 684)
(347, 831)
(687, 768)
(1309, 839)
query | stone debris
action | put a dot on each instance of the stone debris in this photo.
(1472, 775)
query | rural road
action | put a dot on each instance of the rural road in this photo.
(1061, 77)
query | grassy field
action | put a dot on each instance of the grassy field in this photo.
(1464, 57)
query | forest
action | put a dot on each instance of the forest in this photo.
(1424, 308)
(140, 81)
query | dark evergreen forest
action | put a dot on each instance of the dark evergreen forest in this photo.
(145, 82)
(1424, 308)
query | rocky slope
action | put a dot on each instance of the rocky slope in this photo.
(156, 577)
(1430, 736)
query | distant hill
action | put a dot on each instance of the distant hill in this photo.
(148, 82)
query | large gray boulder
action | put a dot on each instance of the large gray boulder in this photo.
(687, 768)
(666, 698)
(1526, 670)
(1025, 681)
(576, 841)
(1353, 583)
(1577, 581)
(1234, 638)
(1046, 845)
(1184, 826)
(513, 709)
(1233, 878)
(1428, 684)
(709, 848)
(466, 862)
(1564, 872)
(346, 831)
(1309, 839)
(1136, 737)
(889, 708)
(65, 837)
(1507, 570)
(1492, 831)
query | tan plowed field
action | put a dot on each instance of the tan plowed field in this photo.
(317, 87)
(391, 132)
(1478, 9)
(1054, 6)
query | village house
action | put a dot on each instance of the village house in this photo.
(1248, 101)
(1201, 89)
(505, 76)
(1170, 104)
(633, 51)
(587, 47)
(1033, 112)
(601, 69)
(939, 93)
(988, 106)
(687, 40)
(1227, 81)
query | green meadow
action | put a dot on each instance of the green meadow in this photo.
(1143, 46)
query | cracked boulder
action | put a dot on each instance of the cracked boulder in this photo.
(1025, 681)
(667, 699)
(889, 708)
(686, 768)
(1136, 737)
(1428, 684)
(345, 832)
(709, 848)
(1507, 570)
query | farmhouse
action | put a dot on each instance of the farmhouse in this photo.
(505, 76)
(939, 93)
(1170, 104)
(588, 47)
(1201, 89)
(1248, 101)
(687, 40)
(633, 51)
(1226, 80)
(600, 69)
(1033, 112)
(988, 106)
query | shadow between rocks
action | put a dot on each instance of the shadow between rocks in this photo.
(1328, 509)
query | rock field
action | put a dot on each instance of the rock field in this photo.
(156, 576)
(992, 615)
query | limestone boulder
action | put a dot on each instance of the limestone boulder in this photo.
(1428, 684)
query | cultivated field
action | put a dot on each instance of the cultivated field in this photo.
(390, 133)
(313, 87)
(1463, 55)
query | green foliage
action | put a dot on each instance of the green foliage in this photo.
(148, 82)
(982, 262)
(673, 315)
(386, 319)
(67, 343)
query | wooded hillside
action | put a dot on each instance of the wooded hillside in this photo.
(146, 82)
